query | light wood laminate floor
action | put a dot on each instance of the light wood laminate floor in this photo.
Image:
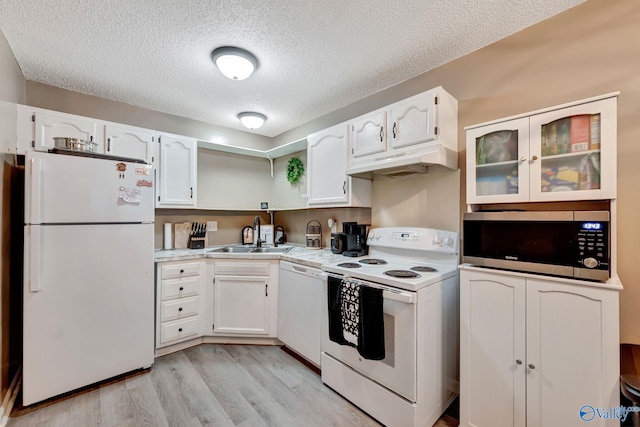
(214, 385)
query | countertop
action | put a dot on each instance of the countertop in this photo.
(298, 254)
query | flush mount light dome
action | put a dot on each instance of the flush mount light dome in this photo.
(233, 62)
(252, 120)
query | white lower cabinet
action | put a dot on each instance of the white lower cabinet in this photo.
(536, 352)
(180, 301)
(245, 295)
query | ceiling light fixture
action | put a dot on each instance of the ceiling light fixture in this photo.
(233, 62)
(252, 120)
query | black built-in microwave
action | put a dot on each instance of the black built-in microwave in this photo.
(560, 243)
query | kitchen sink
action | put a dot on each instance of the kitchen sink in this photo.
(234, 249)
(253, 249)
(273, 249)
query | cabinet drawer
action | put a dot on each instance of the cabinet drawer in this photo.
(178, 288)
(180, 329)
(179, 270)
(178, 309)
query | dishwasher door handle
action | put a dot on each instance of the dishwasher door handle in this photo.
(299, 269)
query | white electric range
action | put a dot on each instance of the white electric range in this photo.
(416, 268)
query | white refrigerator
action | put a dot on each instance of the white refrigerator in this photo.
(88, 271)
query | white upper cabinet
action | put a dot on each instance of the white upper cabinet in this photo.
(368, 134)
(424, 124)
(573, 152)
(497, 162)
(562, 153)
(127, 141)
(37, 128)
(414, 120)
(328, 183)
(177, 171)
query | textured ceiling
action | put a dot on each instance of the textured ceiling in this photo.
(314, 56)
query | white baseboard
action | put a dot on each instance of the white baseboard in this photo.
(10, 398)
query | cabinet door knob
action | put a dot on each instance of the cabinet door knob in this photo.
(181, 288)
(181, 271)
(523, 159)
(519, 362)
(179, 329)
(532, 366)
(534, 158)
(180, 309)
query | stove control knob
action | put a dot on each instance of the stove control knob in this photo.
(448, 241)
(370, 235)
(377, 236)
(437, 240)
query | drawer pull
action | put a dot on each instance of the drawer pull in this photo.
(181, 288)
(182, 271)
(179, 329)
(180, 309)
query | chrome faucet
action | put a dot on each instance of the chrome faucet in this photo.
(256, 221)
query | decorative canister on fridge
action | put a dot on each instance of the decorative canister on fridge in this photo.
(314, 235)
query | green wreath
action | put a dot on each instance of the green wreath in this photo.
(295, 169)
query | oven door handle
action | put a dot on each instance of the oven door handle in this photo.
(404, 297)
(407, 298)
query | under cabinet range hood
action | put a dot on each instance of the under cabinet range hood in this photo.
(403, 164)
(406, 137)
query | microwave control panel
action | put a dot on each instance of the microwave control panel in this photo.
(593, 245)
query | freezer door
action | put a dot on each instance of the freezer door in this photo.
(62, 189)
(88, 314)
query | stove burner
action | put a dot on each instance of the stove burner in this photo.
(424, 269)
(372, 261)
(349, 265)
(402, 274)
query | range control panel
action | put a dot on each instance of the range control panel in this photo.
(429, 239)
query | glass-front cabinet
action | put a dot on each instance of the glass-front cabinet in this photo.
(562, 153)
(497, 166)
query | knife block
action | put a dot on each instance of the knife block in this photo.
(196, 242)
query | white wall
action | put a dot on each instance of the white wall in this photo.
(12, 90)
(12, 83)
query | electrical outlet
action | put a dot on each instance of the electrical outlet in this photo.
(212, 225)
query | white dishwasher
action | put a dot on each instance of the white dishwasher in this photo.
(299, 308)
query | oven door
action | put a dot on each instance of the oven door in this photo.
(397, 371)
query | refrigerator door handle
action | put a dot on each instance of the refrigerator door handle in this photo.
(35, 194)
(33, 246)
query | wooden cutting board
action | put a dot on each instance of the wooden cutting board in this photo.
(182, 235)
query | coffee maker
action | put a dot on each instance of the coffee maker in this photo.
(352, 241)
